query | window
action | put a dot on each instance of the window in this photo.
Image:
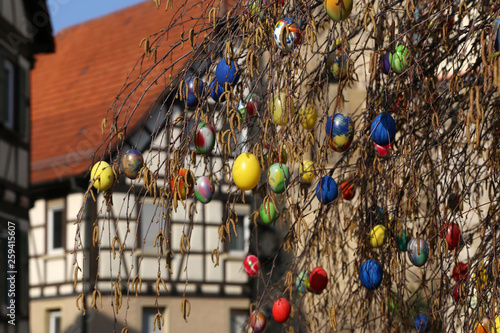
(148, 316)
(238, 321)
(240, 244)
(55, 321)
(150, 214)
(55, 225)
(9, 94)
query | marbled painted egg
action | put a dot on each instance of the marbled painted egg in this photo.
(383, 129)
(184, 189)
(278, 177)
(307, 171)
(418, 251)
(338, 10)
(385, 63)
(340, 130)
(251, 265)
(302, 282)
(258, 321)
(308, 116)
(282, 108)
(267, 212)
(400, 59)
(204, 189)
(132, 163)
(204, 138)
(294, 37)
(227, 72)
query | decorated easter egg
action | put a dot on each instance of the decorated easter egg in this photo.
(347, 189)
(399, 59)
(460, 271)
(204, 138)
(246, 171)
(193, 93)
(102, 176)
(485, 325)
(272, 154)
(204, 190)
(338, 10)
(294, 37)
(496, 34)
(378, 236)
(383, 129)
(340, 130)
(418, 251)
(385, 63)
(251, 265)
(302, 282)
(451, 232)
(307, 171)
(453, 201)
(281, 310)
(257, 321)
(339, 67)
(216, 91)
(250, 107)
(326, 190)
(282, 108)
(308, 116)
(185, 184)
(267, 212)
(132, 163)
(318, 279)
(370, 274)
(403, 241)
(227, 72)
(384, 151)
(278, 177)
(375, 216)
(422, 323)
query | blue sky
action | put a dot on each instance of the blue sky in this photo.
(65, 13)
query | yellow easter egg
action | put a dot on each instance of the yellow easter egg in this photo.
(102, 176)
(246, 171)
(308, 116)
(282, 108)
(378, 236)
(307, 170)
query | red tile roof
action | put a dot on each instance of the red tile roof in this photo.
(73, 88)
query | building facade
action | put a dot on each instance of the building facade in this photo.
(24, 31)
(73, 90)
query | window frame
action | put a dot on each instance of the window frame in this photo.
(53, 315)
(50, 229)
(243, 211)
(151, 313)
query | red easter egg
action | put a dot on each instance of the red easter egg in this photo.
(318, 279)
(457, 293)
(460, 271)
(384, 151)
(251, 264)
(281, 310)
(183, 192)
(451, 232)
(347, 190)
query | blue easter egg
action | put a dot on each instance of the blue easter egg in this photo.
(421, 323)
(370, 274)
(340, 129)
(383, 129)
(216, 91)
(227, 73)
(192, 94)
(327, 190)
